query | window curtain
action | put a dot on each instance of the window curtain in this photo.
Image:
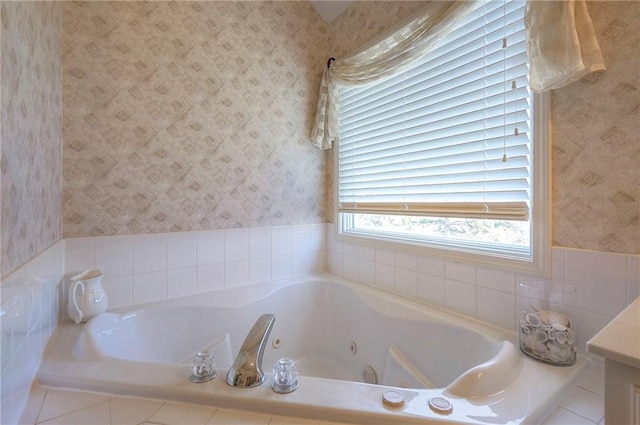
(385, 57)
(561, 43)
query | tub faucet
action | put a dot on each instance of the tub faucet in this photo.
(246, 370)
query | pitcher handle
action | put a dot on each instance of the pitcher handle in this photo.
(74, 300)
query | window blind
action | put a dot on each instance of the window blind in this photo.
(434, 139)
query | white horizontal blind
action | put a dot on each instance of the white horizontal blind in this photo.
(431, 140)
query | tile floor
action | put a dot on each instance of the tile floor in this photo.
(583, 406)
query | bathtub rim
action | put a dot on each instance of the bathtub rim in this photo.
(315, 394)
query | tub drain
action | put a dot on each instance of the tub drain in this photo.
(369, 375)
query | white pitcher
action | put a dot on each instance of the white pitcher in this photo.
(91, 300)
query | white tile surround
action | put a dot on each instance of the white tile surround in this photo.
(149, 267)
(29, 314)
(604, 284)
(143, 268)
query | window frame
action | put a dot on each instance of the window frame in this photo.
(539, 261)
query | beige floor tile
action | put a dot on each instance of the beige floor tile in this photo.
(182, 414)
(61, 402)
(235, 417)
(95, 415)
(34, 404)
(585, 403)
(593, 379)
(132, 411)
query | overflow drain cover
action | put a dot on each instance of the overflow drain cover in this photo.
(393, 398)
(441, 405)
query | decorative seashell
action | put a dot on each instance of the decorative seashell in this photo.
(561, 337)
(561, 353)
(540, 336)
(533, 320)
(540, 348)
(528, 329)
(529, 341)
(550, 317)
(560, 356)
(537, 347)
(554, 347)
(547, 335)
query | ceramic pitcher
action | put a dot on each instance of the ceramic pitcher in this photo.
(90, 300)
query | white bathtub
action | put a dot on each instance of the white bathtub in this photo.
(333, 329)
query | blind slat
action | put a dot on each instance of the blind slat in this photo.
(430, 141)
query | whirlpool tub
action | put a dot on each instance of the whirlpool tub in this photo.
(351, 344)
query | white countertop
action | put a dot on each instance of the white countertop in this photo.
(620, 339)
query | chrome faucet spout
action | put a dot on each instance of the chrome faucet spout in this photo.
(246, 370)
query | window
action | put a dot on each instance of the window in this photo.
(451, 155)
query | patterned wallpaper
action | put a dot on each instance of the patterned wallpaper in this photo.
(190, 115)
(195, 116)
(31, 130)
(596, 126)
(596, 150)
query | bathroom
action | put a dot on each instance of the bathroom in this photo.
(134, 143)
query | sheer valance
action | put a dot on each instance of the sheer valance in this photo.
(383, 58)
(561, 43)
(561, 46)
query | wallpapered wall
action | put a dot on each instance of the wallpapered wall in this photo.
(596, 150)
(196, 115)
(596, 126)
(190, 115)
(31, 130)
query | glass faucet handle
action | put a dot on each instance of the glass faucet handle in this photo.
(285, 376)
(203, 367)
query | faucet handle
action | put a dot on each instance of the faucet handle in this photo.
(203, 367)
(285, 376)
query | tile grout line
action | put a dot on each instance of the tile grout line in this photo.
(154, 412)
(578, 414)
(588, 390)
(46, 392)
(215, 410)
(76, 411)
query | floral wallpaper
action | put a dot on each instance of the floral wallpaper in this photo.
(190, 115)
(596, 126)
(31, 130)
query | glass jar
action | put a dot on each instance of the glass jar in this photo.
(546, 333)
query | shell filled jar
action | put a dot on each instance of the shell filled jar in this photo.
(548, 336)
